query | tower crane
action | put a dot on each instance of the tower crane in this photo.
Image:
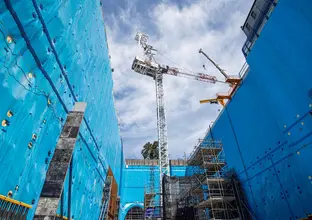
(151, 68)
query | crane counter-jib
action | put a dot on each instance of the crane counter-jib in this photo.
(145, 67)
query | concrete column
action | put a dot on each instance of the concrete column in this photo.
(56, 174)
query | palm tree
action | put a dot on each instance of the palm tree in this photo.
(150, 151)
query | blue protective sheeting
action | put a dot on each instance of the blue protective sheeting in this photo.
(58, 56)
(135, 180)
(266, 129)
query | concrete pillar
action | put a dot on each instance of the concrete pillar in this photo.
(56, 174)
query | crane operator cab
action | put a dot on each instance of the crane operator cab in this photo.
(145, 67)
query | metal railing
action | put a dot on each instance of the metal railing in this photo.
(13, 209)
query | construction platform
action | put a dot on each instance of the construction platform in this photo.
(215, 200)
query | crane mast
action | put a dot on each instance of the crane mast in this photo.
(162, 128)
(149, 68)
(152, 69)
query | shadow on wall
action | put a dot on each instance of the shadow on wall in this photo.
(240, 195)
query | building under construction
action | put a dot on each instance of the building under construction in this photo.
(206, 192)
(61, 152)
(143, 184)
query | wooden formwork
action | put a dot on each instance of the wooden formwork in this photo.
(113, 200)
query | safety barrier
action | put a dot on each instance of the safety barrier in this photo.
(13, 209)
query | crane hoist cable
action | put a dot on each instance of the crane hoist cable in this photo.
(234, 82)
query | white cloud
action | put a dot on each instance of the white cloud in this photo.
(178, 33)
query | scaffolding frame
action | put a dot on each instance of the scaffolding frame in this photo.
(175, 203)
(214, 194)
(152, 203)
(205, 192)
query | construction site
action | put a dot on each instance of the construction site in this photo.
(65, 152)
(207, 190)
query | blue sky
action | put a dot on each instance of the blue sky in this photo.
(177, 29)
